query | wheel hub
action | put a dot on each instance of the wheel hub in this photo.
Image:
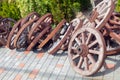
(83, 50)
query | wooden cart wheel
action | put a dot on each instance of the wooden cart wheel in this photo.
(20, 40)
(86, 51)
(45, 20)
(61, 35)
(12, 34)
(101, 13)
(53, 33)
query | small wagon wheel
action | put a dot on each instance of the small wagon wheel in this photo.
(86, 51)
(12, 35)
(39, 26)
(101, 13)
(62, 34)
(53, 33)
(20, 40)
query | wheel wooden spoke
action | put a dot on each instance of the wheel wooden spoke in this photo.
(103, 10)
(93, 43)
(97, 21)
(91, 58)
(101, 7)
(94, 51)
(83, 37)
(101, 15)
(89, 38)
(78, 41)
(86, 63)
(76, 56)
(80, 62)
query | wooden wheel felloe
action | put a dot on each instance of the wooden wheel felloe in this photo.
(86, 51)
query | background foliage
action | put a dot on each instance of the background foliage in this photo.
(118, 6)
(9, 10)
(59, 8)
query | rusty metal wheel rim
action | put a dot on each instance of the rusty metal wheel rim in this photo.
(82, 48)
(12, 35)
(20, 40)
(39, 26)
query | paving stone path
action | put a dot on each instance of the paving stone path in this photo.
(19, 65)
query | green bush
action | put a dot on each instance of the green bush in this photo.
(118, 6)
(59, 8)
(9, 10)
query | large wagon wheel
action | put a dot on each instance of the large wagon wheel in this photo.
(86, 51)
(101, 13)
(40, 30)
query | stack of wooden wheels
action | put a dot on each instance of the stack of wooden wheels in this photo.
(88, 41)
(35, 32)
(29, 31)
